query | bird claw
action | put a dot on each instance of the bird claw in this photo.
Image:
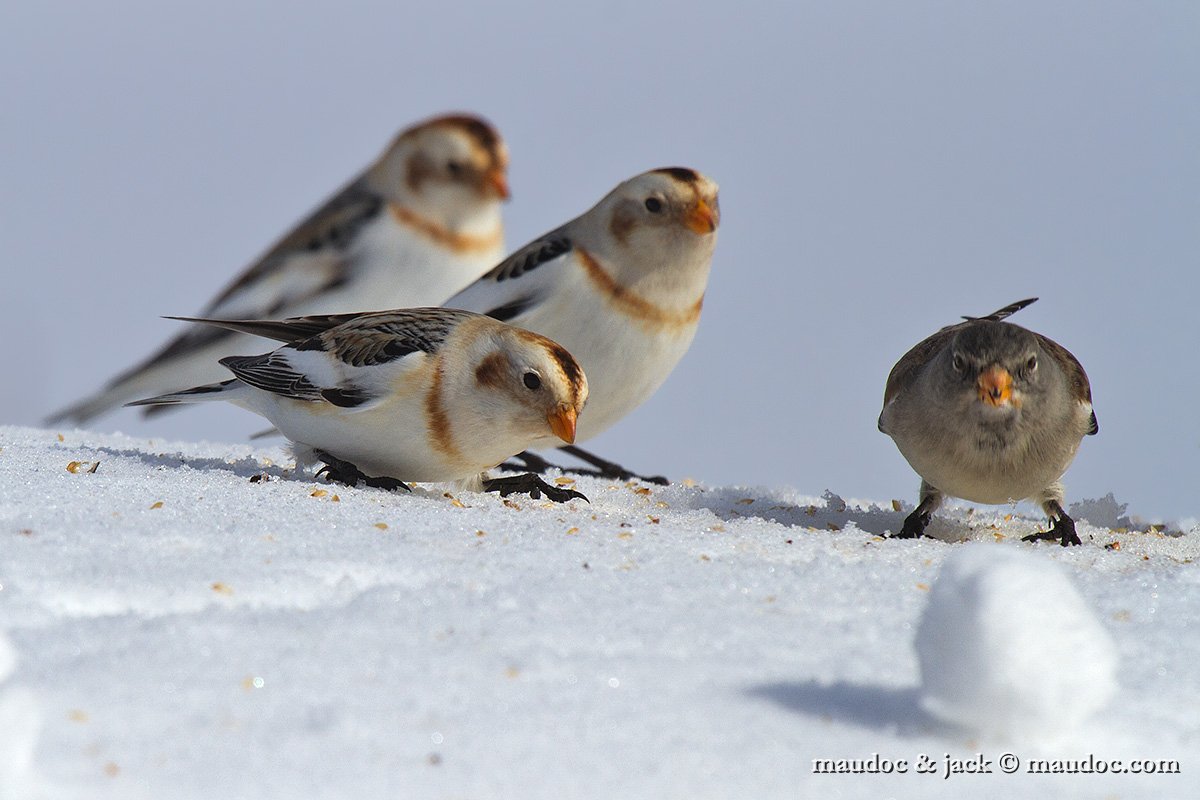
(383, 482)
(339, 471)
(1063, 532)
(914, 526)
(531, 484)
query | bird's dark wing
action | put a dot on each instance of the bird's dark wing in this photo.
(1004, 313)
(376, 338)
(520, 281)
(273, 373)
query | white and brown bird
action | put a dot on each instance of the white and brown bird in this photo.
(621, 287)
(417, 225)
(990, 412)
(422, 394)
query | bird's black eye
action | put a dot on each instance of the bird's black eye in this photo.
(958, 363)
(1031, 365)
(533, 381)
(455, 169)
(653, 205)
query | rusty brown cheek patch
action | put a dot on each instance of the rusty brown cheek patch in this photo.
(621, 225)
(416, 172)
(635, 306)
(491, 371)
(458, 242)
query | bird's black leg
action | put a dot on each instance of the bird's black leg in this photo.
(916, 522)
(1062, 531)
(603, 469)
(914, 525)
(607, 469)
(531, 462)
(532, 485)
(340, 471)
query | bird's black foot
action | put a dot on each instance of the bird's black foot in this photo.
(344, 472)
(1062, 531)
(532, 485)
(608, 469)
(914, 525)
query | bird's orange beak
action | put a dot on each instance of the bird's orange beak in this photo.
(995, 386)
(497, 182)
(562, 422)
(702, 218)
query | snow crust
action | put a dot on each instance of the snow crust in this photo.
(192, 620)
(1009, 649)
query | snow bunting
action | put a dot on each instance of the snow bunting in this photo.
(990, 412)
(417, 225)
(422, 394)
(620, 287)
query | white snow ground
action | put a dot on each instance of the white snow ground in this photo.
(169, 628)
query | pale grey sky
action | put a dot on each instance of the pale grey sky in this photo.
(884, 167)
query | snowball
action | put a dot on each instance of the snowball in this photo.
(1008, 648)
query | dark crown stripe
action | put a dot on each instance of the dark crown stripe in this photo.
(680, 174)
